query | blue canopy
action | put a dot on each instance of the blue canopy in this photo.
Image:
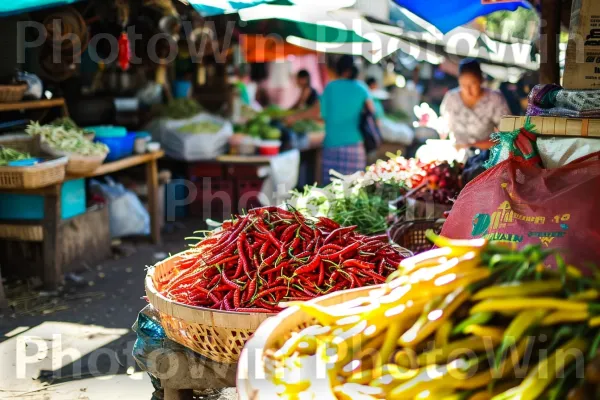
(448, 14)
(8, 7)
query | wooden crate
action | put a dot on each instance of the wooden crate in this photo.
(85, 240)
(555, 126)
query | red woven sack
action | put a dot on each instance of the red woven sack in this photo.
(524, 204)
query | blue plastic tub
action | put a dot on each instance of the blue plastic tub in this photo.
(108, 131)
(31, 207)
(120, 147)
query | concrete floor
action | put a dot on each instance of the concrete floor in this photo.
(77, 345)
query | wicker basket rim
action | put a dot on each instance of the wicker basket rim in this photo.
(246, 384)
(225, 319)
(14, 86)
(55, 162)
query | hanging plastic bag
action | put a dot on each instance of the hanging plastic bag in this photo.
(127, 214)
(521, 203)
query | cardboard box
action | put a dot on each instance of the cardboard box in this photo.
(582, 69)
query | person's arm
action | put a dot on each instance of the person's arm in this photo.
(302, 99)
(313, 112)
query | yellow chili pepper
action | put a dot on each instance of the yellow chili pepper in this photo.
(433, 378)
(495, 333)
(588, 295)
(564, 317)
(524, 303)
(542, 376)
(573, 271)
(594, 322)
(420, 323)
(457, 244)
(464, 263)
(435, 318)
(482, 379)
(397, 373)
(457, 349)
(291, 345)
(442, 335)
(389, 344)
(394, 378)
(481, 396)
(356, 392)
(518, 289)
(517, 328)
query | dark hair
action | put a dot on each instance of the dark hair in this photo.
(470, 66)
(345, 65)
(370, 81)
(303, 74)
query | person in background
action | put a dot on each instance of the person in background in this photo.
(341, 106)
(471, 112)
(373, 88)
(308, 95)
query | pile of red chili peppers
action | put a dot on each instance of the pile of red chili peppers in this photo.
(272, 255)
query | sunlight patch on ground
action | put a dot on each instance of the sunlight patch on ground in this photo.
(49, 347)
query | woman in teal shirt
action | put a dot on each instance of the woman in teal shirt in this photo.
(341, 106)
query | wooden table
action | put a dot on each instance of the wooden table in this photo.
(312, 155)
(52, 272)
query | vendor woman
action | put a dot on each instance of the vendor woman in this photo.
(341, 106)
(471, 112)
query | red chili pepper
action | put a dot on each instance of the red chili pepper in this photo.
(339, 232)
(289, 233)
(230, 283)
(250, 290)
(310, 267)
(254, 310)
(124, 52)
(333, 247)
(237, 298)
(321, 274)
(336, 256)
(272, 290)
(271, 259)
(263, 250)
(328, 223)
(358, 264)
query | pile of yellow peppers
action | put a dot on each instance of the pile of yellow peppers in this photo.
(470, 320)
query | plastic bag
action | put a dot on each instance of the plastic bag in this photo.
(195, 146)
(557, 152)
(519, 144)
(521, 203)
(127, 214)
(397, 132)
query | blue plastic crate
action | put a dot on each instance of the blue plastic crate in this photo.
(120, 147)
(26, 206)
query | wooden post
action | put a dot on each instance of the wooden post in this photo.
(152, 182)
(549, 41)
(3, 299)
(52, 274)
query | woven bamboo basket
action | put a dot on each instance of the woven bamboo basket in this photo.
(31, 177)
(12, 93)
(217, 335)
(24, 233)
(251, 375)
(412, 234)
(78, 164)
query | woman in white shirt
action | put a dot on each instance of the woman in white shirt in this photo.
(472, 113)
